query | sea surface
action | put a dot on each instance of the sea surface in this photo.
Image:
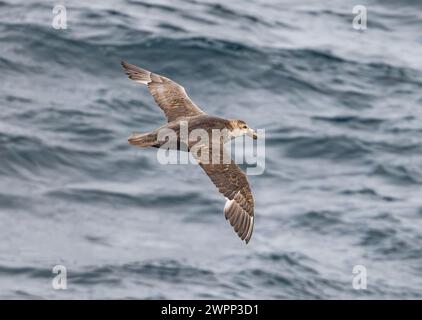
(342, 186)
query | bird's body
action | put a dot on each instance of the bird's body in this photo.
(183, 115)
(203, 122)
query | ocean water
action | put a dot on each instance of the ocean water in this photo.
(342, 185)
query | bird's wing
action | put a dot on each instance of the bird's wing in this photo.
(231, 181)
(169, 95)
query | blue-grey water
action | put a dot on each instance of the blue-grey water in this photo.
(342, 186)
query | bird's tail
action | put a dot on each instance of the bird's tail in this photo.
(143, 139)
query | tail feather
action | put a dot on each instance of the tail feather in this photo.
(143, 139)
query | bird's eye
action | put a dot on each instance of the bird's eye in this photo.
(244, 126)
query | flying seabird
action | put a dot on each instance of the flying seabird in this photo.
(226, 175)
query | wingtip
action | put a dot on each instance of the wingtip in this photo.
(123, 63)
(136, 73)
(250, 231)
(241, 221)
(248, 237)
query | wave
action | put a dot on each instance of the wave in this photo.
(168, 270)
(399, 173)
(371, 193)
(330, 147)
(142, 200)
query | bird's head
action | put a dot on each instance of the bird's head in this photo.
(240, 128)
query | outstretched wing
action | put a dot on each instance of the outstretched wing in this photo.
(169, 95)
(231, 181)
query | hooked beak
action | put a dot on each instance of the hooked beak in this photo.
(252, 134)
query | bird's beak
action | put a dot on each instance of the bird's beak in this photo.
(252, 133)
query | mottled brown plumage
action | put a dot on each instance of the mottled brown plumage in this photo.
(233, 184)
(170, 96)
(226, 175)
